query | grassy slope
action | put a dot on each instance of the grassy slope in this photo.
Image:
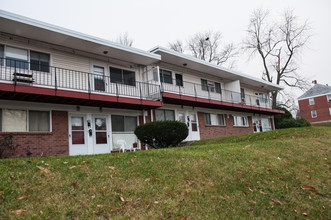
(236, 177)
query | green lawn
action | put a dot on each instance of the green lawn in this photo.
(279, 174)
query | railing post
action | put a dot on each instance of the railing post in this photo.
(15, 77)
(140, 90)
(55, 78)
(231, 97)
(89, 82)
(195, 90)
(116, 89)
(208, 91)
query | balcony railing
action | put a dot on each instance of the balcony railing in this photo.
(17, 71)
(207, 92)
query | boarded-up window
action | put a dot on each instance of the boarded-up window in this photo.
(14, 120)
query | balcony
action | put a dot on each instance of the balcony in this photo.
(187, 93)
(20, 80)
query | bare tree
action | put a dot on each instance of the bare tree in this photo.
(278, 44)
(124, 39)
(207, 46)
(177, 46)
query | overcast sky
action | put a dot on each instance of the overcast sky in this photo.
(152, 22)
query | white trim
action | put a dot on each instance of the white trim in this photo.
(75, 34)
(311, 113)
(27, 110)
(311, 101)
(193, 59)
(299, 99)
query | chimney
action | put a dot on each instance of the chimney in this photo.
(314, 82)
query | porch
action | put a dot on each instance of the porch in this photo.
(21, 80)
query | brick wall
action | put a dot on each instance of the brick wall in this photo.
(55, 143)
(211, 131)
(321, 106)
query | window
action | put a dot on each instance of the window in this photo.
(311, 101)
(39, 121)
(218, 88)
(12, 120)
(240, 121)
(204, 85)
(16, 57)
(211, 86)
(163, 114)
(179, 79)
(0, 116)
(122, 123)
(313, 114)
(39, 61)
(122, 76)
(242, 93)
(155, 74)
(329, 98)
(165, 76)
(214, 119)
(99, 78)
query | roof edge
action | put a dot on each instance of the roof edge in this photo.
(185, 56)
(76, 34)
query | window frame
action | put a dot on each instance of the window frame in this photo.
(5, 46)
(164, 113)
(311, 101)
(122, 76)
(211, 86)
(162, 76)
(179, 82)
(328, 98)
(27, 120)
(124, 127)
(208, 121)
(10, 59)
(49, 61)
(244, 120)
(312, 115)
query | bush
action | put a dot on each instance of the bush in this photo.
(6, 144)
(287, 121)
(302, 122)
(162, 134)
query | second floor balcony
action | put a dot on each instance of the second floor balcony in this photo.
(73, 87)
(188, 93)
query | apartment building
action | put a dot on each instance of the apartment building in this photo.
(67, 93)
(315, 104)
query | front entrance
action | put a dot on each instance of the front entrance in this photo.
(261, 124)
(100, 135)
(190, 119)
(77, 135)
(88, 134)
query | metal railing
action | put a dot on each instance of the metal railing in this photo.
(207, 92)
(33, 74)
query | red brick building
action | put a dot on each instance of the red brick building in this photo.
(315, 104)
(68, 93)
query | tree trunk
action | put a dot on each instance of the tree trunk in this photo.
(274, 99)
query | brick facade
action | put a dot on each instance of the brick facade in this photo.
(55, 143)
(212, 131)
(321, 106)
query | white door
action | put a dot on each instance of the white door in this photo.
(99, 78)
(77, 135)
(257, 125)
(101, 143)
(192, 120)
